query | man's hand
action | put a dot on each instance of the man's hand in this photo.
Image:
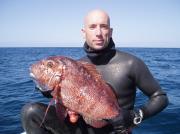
(46, 94)
(127, 118)
(73, 116)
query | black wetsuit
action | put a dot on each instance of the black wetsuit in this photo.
(124, 72)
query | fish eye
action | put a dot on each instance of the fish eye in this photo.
(50, 64)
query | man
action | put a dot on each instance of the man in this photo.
(124, 72)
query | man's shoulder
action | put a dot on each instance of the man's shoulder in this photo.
(132, 62)
(84, 58)
(125, 56)
(128, 59)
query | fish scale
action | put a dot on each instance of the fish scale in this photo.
(79, 86)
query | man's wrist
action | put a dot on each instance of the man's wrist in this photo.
(138, 117)
(127, 118)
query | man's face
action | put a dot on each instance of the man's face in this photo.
(97, 31)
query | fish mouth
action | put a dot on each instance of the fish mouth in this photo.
(37, 85)
(32, 75)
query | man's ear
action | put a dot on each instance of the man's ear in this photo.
(83, 33)
(111, 31)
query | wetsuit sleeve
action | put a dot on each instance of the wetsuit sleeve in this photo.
(46, 94)
(149, 86)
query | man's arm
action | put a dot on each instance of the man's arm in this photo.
(149, 86)
(143, 79)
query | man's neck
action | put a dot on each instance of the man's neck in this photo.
(100, 57)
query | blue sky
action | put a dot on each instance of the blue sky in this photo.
(135, 23)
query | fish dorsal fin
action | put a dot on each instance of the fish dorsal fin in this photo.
(91, 69)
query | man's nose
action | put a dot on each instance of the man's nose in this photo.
(98, 31)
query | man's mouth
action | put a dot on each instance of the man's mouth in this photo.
(99, 42)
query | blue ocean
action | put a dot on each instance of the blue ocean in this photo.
(17, 89)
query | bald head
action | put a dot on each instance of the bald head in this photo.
(96, 16)
(97, 31)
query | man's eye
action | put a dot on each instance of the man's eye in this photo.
(92, 26)
(104, 26)
(50, 64)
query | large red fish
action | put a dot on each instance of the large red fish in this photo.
(78, 87)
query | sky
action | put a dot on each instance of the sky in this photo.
(58, 23)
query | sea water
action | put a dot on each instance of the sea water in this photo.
(17, 89)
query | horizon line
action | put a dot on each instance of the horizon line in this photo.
(80, 44)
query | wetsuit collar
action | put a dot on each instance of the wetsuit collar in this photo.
(100, 56)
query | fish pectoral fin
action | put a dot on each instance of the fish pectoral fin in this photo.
(56, 93)
(95, 123)
(61, 111)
